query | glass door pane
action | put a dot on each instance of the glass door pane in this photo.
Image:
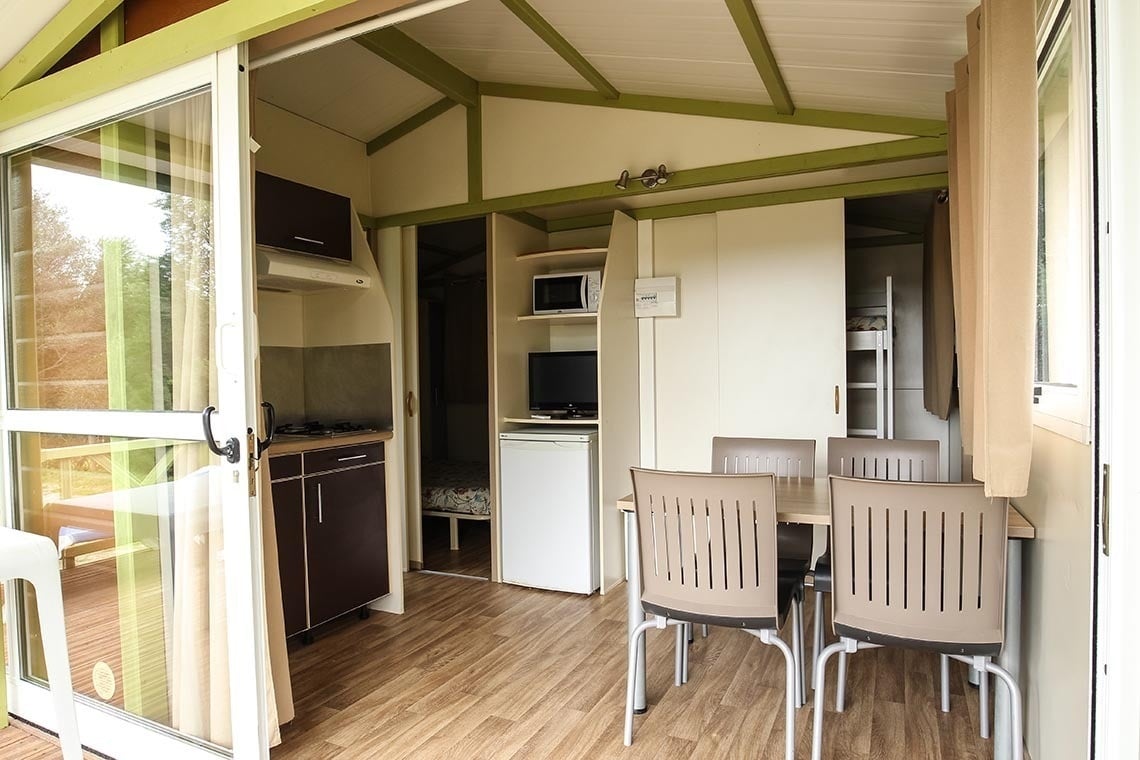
(111, 247)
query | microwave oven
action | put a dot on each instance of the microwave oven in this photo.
(567, 292)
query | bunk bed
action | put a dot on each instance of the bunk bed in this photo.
(871, 328)
(456, 491)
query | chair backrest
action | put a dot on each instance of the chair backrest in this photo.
(783, 457)
(707, 542)
(924, 562)
(883, 459)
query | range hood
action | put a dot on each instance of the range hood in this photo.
(298, 273)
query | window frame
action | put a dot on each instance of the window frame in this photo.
(1065, 408)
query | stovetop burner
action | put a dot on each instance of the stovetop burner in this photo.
(316, 429)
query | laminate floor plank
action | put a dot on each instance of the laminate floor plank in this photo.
(490, 671)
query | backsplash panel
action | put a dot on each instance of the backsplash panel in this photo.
(329, 383)
(283, 382)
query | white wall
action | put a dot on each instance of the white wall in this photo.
(424, 169)
(758, 346)
(303, 151)
(1057, 592)
(530, 145)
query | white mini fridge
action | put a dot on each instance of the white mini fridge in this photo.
(548, 478)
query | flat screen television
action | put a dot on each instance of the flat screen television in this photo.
(564, 382)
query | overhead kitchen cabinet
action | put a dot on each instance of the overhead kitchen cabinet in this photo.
(295, 217)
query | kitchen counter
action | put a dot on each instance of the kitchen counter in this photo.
(288, 444)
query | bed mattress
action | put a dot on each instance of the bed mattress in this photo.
(866, 324)
(461, 487)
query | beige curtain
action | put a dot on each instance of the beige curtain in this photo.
(992, 117)
(200, 697)
(937, 313)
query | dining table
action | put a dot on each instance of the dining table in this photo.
(806, 501)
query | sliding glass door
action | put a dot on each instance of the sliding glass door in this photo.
(127, 287)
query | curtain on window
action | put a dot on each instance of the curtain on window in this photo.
(992, 118)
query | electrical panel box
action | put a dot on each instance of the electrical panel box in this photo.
(655, 297)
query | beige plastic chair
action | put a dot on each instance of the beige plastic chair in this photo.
(707, 547)
(785, 458)
(920, 566)
(875, 459)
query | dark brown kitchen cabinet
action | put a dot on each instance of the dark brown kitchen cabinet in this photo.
(299, 218)
(332, 532)
(289, 516)
(346, 571)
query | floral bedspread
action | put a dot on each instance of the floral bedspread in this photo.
(463, 487)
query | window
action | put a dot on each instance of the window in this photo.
(1062, 366)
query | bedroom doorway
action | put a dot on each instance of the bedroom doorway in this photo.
(455, 512)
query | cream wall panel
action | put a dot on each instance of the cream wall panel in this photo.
(1057, 601)
(280, 319)
(349, 316)
(781, 322)
(305, 152)
(423, 169)
(531, 145)
(686, 349)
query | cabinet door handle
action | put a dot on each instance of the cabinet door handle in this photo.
(837, 399)
(320, 506)
(308, 240)
(349, 459)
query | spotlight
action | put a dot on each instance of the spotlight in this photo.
(623, 180)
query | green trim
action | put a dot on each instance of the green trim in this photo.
(748, 24)
(583, 222)
(207, 32)
(559, 44)
(865, 189)
(410, 124)
(475, 153)
(113, 30)
(403, 52)
(530, 220)
(806, 117)
(879, 222)
(61, 34)
(762, 168)
(884, 241)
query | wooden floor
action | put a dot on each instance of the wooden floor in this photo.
(474, 555)
(482, 670)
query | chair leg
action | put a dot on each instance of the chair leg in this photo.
(841, 684)
(817, 678)
(945, 663)
(984, 702)
(1015, 729)
(49, 596)
(817, 632)
(679, 655)
(791, 679)
(704, 631)
(798, 650)
(685, 652)
(631, 675)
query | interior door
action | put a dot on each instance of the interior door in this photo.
(128, 281)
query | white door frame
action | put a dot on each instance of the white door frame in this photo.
(1117, 667)
(103, 728)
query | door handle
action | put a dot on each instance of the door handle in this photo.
(837, 399)
(231, 451)
(411, 404)
(270, 424)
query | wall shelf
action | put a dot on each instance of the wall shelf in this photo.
(562, 319)
(564, 421)
(561, 252)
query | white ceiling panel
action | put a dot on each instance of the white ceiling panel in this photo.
(679, 48)
(22, 20)
(487, 42)
(346, 88)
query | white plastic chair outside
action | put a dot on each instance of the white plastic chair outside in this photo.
(34, 558)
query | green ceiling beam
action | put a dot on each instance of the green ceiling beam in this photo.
(209, 31)
(73, 22)
(410, 124)
(402, 51)
(863, 189)
(807, 117)
(530, 220)
(880, 222)
(584, 222)
(474, 153)
(748, 24)
(884, 241)
(559, 44)
(761, 168)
